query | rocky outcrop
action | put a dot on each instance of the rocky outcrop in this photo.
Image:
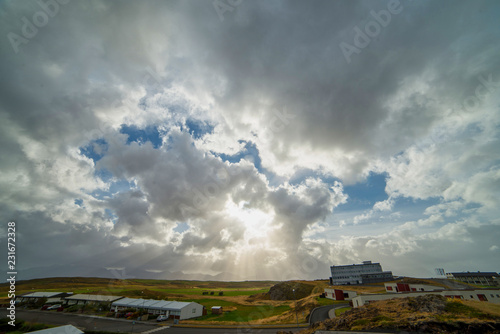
(284, 291)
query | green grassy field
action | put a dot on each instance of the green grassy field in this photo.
(236, 300)
(245, 313)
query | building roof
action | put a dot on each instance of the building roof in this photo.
(42, 294)
(484, 274)
(68, 329)
(151, 304)
(356, 264)
(94, 298)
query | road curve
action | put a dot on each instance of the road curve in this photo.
(321, 313)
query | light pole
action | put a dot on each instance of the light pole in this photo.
(296, 316)
(143, 301)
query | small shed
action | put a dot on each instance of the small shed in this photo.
(217, 310)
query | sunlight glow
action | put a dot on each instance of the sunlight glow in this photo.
(257, 223)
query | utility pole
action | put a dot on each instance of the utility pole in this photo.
(296, 315)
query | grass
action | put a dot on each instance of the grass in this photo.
(246, 313)
(339, 311)
(199, 291)
(459, 309)
(238, 305)
(324, 301)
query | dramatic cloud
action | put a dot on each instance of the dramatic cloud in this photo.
(269, 140)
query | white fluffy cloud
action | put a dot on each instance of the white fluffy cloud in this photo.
(262, 125)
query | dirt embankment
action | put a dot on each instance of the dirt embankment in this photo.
(428, 314)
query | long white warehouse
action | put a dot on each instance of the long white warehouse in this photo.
(172, 309)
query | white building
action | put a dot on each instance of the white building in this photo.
(405, 287)
(367, 272)
(337, 294)
(487, 295)
(479, 278)
(52, 297)
(172, 309)
(84, 299)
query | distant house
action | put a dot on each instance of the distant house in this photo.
(479, 278)
(172, 309)
(405, 287)
(82, 299)
(217, 310)
(52, 297)
(337, 294)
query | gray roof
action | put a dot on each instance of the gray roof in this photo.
(151, 304)
(42, 294)
(483, 274)
(94, 298)
(68, 329)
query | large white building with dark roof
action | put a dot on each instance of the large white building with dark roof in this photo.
(478, 278)
(172, 309)
(366, 272)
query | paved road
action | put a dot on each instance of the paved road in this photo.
(174, 330)
(58, 318)
(126, 326)
(321, 313)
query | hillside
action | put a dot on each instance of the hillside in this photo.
(429, 314)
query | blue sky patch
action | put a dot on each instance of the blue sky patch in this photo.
(364, 195)
(111, 215)
(251, 151)
(95, 150)
(79, 202)
(118, 186)
(198, 129)
(181, 227)
(141, 136)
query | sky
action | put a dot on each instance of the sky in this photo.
(249, 140)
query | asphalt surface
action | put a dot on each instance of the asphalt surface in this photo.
(127, 326)
(58, 318)
(321, 313)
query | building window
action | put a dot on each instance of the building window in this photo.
(194, 310)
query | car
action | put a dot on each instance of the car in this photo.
(54, 307)
(162, 318)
